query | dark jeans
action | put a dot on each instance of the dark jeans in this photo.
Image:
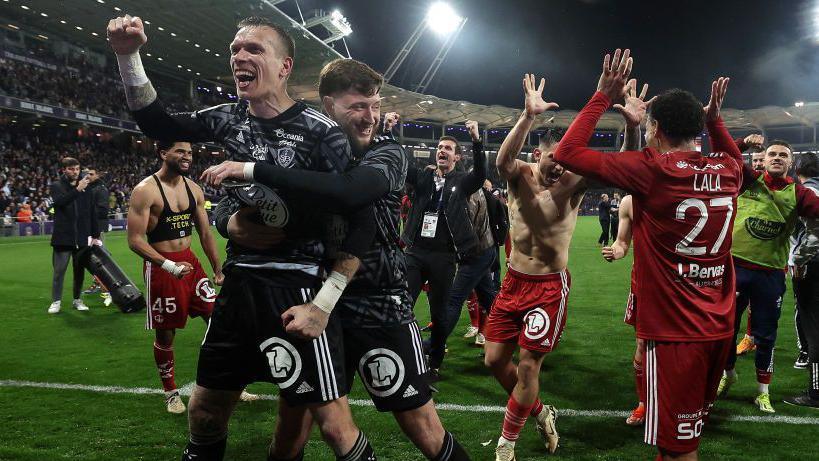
(807, 293)
(436, 268)
(764, 289)
(604, 236)
(473, 274)
(614, 226)
(59, 259)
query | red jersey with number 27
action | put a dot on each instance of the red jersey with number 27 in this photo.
(684, 206)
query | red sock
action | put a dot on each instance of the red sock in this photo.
(639, 380)
(536, 408)
(474, 310)
(515, 419)
(763, 376)
(163, 356)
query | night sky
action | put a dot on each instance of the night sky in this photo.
(766, 47)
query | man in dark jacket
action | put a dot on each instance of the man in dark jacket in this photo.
(74, 222)
(99, 200)
(439, 231)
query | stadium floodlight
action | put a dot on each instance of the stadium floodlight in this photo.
(442, 19)
(340, 23)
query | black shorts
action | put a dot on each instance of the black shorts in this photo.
(246, 341)
(391, 363)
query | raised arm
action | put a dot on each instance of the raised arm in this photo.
(206, 239)
(534, 104)
(627, 170)
(473, 180)
(139, 212)
(126, 36)
(633, 112)
(619, 249)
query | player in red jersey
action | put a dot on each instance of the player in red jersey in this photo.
(176, 284)
(530, 310)
(683, 207)
(619, 250)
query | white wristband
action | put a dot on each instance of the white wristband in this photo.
(332, 289)
(131, 70)
(248, 170)
(171, 267)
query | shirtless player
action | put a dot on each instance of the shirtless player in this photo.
(530, 310)
(181, 288)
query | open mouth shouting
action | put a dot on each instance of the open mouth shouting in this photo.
(244, 78)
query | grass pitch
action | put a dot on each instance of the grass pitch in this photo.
(589, 372)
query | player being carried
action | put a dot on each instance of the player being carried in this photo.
(176, 285)
(530, 310)
(683, 207)
(246, 340)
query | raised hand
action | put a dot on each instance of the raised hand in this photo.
(616, 70)
(533, 97)
(754, 140)
(718, 89)
(474, 132)
(390, 120)
(126, 34)
(635, 107)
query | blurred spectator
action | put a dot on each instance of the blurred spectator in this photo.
(24, 213)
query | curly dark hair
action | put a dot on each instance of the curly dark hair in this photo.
(679, 115)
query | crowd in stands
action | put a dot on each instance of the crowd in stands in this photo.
(29, 163)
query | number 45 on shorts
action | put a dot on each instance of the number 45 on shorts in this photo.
(164, 305)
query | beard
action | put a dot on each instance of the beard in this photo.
(174, 167)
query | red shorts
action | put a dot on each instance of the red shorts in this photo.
(171, 300)
(530, 310)
(681, 386)
(631, 310)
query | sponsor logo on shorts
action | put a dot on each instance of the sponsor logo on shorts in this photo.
(158, 318)
(284, 361)
(304, 388)
(536, 324)
(410, 392)
(205, 290)
(382, 371)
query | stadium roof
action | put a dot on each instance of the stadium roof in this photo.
(191, 37)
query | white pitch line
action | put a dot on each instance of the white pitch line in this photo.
(563, 412)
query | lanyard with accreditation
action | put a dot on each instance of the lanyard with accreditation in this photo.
(430, 224)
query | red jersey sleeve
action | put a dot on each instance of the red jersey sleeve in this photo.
(721, 141)
(625, 170)
(807, 202)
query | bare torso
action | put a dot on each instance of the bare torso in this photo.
(542, 221)
(178, 200)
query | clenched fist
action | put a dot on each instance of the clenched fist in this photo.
(126, 34)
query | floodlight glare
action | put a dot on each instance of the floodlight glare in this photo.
(799, 103)
(442, 19)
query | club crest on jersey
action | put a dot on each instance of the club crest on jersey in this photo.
(284, 361)
(258, 152)
(382, 371)
(205, 290)
(536, 323)
(285, 156)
